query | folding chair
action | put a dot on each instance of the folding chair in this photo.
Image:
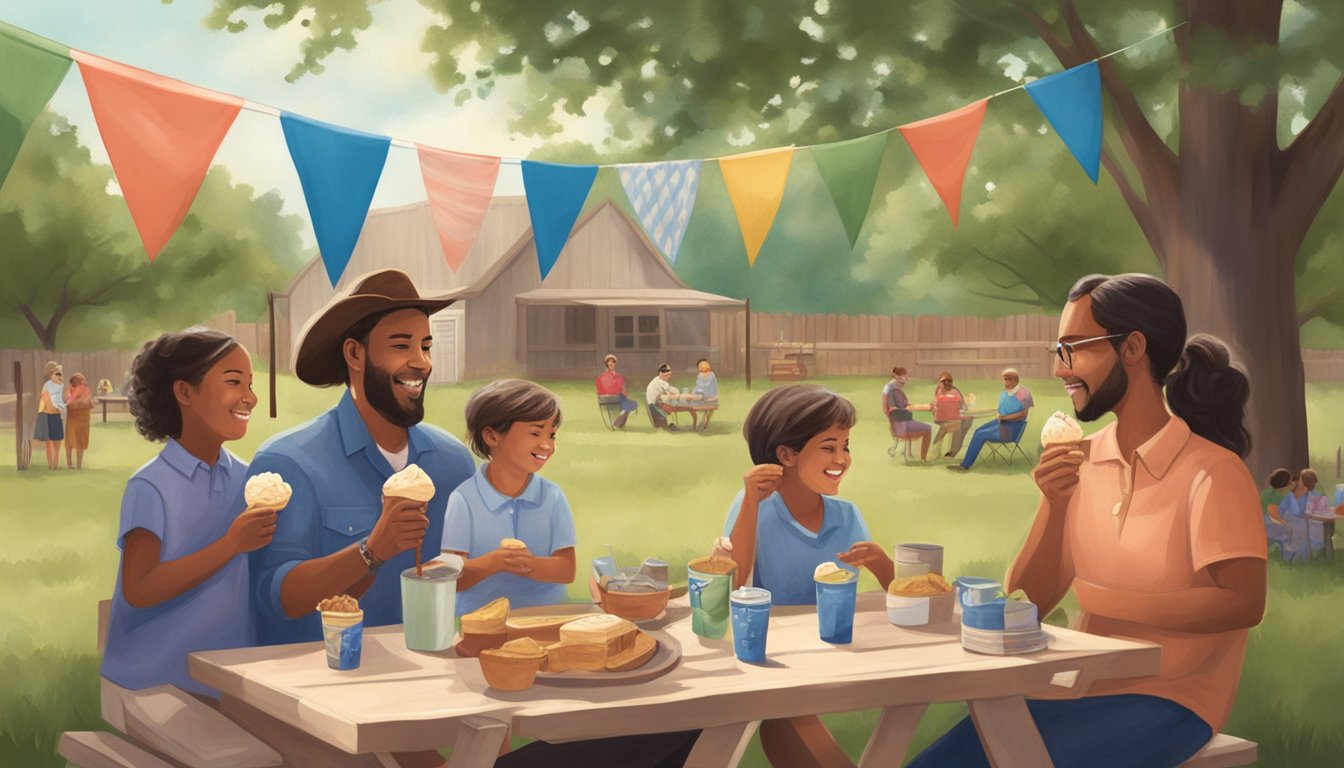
(1005, 451)
(610, 407)
(908, 450)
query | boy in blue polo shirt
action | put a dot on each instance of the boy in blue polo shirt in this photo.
(512, 424)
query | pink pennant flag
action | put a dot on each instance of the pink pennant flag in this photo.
(459, 187)
(160, 134)
(943, 147)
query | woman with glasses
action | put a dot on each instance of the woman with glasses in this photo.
(50, 407)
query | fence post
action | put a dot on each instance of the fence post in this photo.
(747, 346)
(18, 416)
(270, 309)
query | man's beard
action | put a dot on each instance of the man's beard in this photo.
(378, 388)
(1107, 396)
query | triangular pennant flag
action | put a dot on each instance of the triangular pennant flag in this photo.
(33, 69)
(555, 195)
(943, 147)
(1071, 101)
(339, 170)
(849, 169)
(663, 196)
(160, 134)
(755, 184)
(459, 187)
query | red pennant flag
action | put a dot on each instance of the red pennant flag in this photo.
(943, 147)
(160, 134)
(459, 188)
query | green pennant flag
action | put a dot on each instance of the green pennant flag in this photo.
(849, 169)
(33, 68)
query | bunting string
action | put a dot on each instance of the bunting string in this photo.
(161, 135)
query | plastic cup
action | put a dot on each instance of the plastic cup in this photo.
(904, 569)
(343, 633)
(428, 603)
(835, 610)
(751, 622)
(921, 553)
(709, 596)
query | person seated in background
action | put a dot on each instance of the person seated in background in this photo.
(706, 383)
(104, 387)
(1293, 513)
(1015, 403)
(660, 386)
(949, 413)
(1315, 508)
(1275, 529)
(609, 383)
(896, 405)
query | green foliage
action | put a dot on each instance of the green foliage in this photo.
(76, 274)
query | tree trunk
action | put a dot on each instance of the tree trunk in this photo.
(1230, 260)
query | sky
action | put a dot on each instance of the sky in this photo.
(382, 86)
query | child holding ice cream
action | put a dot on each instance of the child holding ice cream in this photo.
(186, 520)
(511, 526)
(787, 521)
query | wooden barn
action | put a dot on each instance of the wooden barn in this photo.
(610, 291)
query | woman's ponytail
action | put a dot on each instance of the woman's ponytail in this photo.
(1209, 392)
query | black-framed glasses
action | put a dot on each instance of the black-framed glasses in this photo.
(1064, 349)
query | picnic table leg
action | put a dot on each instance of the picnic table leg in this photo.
(892, 736)
(721, 746)
(478, 742)
(1008, 733)
(104, 402)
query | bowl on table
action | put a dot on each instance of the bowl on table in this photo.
(632, 605)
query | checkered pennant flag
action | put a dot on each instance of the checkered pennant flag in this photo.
(663, 195)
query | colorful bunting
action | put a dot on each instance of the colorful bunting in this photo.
(338, 170)
(943, 147)
(555, 195)
(849, 169)
(33, 68)
(663, 196)
(1071, 101)
(459, 188)
(161, 135)
(755, 182)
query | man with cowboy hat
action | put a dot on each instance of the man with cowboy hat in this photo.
(339, 534)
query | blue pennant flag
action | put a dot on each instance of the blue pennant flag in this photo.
(555, 195)
(1071, 101)
(663, 196)
(339, 170)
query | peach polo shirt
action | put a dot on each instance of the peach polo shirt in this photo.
(1155, 526)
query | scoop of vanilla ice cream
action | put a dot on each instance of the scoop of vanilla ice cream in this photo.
(831, 573)
(1060, 428)
(410, 483)
(267, 489)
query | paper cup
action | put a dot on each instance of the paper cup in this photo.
(343, 633)
(904, 569)
(911, 552)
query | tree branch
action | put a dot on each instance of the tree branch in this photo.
(1041, 295)
(1315, 308)
(1004, 286)
(1312, 163)
(1031, 302)
(1147, 221)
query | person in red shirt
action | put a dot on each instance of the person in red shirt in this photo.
(611, 384)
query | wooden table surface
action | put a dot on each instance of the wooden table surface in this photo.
(401, 700)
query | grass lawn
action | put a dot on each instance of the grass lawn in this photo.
(61, 558)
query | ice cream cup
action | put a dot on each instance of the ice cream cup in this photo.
(343, 633)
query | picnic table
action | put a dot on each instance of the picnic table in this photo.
(119, 399)
(694, 407)
(1328, 525)
(401, 700)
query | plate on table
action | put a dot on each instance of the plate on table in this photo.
(664, 659)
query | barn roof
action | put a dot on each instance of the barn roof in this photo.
(627, 297)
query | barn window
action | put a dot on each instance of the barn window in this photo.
(636, 332)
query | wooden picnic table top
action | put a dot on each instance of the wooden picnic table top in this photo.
(401, 700)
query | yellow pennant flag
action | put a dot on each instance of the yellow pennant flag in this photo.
(755, 184)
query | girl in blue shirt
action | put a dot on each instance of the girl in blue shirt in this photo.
(787, 520)
(182, 585)
(512, 424)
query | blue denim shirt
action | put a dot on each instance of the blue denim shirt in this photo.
(188, 505)
(337, 475)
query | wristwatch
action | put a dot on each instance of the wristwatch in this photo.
(370, 559)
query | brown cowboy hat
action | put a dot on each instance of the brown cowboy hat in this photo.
(319, 360)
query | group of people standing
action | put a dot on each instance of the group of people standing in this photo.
(63, 412)
(1296, 513)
